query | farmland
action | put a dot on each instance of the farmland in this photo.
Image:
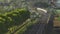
(57, 19)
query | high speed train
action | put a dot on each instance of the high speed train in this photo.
(42, 10)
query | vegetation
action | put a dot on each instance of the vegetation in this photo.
(58, 12)
(13, 18)
(26, 26)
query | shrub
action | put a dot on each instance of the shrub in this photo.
(15, 17)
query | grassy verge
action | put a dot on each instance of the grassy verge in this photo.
(24, 28)
(57, 19)
(58, 12)
(10, 20)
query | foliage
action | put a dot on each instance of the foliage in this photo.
(15, 17)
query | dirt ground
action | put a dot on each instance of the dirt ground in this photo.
(56, 22)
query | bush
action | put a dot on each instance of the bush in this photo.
(15, 17)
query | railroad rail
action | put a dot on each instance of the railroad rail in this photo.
(43, 25)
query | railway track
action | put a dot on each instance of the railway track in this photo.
(44, 25)
(41, 27)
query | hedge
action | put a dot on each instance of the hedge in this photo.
(13, 18)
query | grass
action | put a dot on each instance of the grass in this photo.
(24, 28)
(58, 12)
(1, 0)
(57, 19)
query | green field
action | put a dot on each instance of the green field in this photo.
(58, 12)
